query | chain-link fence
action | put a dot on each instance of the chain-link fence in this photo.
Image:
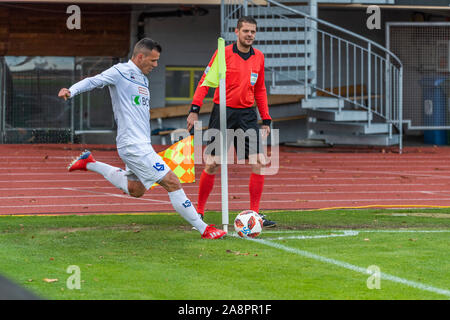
(424, 49)
(30, 109)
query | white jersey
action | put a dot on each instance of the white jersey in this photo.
(130, 99)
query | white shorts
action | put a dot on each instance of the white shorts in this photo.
(143, 164)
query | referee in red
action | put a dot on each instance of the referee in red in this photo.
(244, 85)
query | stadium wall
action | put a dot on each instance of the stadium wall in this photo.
(186, 41)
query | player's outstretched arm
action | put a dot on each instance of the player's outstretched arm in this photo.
(64, 93)
(106, 78)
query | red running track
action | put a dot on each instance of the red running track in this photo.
(34, 180)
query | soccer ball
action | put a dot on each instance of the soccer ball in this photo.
(248, 224)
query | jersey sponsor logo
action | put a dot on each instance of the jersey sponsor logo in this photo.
(253, 78)
(207, 70)
(137, 101)
(187, 204)
(158, 166)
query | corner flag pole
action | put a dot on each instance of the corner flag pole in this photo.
(223, 131)
(215, 77)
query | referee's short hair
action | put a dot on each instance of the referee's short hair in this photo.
(246, 19)
(144, 45)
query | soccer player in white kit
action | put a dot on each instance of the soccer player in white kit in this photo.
(128, 87)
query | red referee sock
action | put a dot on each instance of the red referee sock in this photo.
(255, 187)
(205, 188)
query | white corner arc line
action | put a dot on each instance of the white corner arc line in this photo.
(352, 267)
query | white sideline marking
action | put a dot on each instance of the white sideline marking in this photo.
(405, 231)
(346, 233)
(352, 267)
(385, 276)
(365, 230)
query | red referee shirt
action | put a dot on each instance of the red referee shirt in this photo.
(244, 82)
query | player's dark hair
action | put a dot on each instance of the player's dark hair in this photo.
(246, 19)
(146, 44)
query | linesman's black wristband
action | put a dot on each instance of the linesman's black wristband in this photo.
(194, 108)
(266, 122)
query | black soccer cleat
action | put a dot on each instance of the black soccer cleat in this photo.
(267, 223)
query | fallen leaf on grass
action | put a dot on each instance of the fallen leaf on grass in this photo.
(50, 280)
(238, 253)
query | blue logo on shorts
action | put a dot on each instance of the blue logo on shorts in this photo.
(158, 166)
(187, 204)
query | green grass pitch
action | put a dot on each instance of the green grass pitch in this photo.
(309, 255)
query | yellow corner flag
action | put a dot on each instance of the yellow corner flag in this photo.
(218, 67)
(180, 159)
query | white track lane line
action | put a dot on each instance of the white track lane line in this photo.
(79, 205)
(117, 195)
(235, 202)
(236, 193)
(186, 186)
(425, 174)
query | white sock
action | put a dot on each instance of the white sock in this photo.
(113, 174)
(186, 209)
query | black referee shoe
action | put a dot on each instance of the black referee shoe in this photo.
(267, 223)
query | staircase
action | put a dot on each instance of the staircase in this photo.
(351, 86)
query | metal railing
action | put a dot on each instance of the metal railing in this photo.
(324, 59)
